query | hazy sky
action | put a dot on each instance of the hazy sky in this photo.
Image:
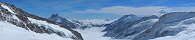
(100, 9)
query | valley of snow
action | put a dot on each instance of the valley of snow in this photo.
(93, 33)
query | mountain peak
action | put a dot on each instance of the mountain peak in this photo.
(130, 15)
(60, 19)
(55, 15)
(129, 18)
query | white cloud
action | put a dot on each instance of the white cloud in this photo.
(123, 10)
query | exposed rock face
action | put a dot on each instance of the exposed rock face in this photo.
(18, 17)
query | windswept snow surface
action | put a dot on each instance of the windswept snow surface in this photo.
(9, 31)
(94, 33)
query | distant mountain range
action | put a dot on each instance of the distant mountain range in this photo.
(91, 23)
(87, 23)
(153, 27)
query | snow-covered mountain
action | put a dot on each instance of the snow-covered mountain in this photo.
(87, 23)
(184, 30)
(171, 26)
(168, 25)
(15, 24)
(131, 28)
(120, 22)
(62, 21)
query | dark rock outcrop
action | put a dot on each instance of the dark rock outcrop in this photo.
(62, 21)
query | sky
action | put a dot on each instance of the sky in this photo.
(101, 9)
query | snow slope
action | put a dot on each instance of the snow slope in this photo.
(93, 33)
(13, 32)
(51, 26)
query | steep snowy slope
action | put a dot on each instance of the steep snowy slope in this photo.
(16, 24)
(136, 29)
(12, 32)
(187, 33)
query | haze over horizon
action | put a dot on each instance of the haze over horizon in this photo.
(100, 9)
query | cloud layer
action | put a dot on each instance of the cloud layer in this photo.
(143, 11)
